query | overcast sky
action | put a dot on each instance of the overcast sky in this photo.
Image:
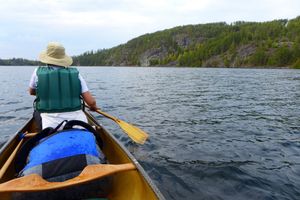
(26, 26)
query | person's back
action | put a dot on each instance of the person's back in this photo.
(59, 88)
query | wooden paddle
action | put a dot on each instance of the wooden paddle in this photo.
(10, 159)
(13, 155)
(136, 134)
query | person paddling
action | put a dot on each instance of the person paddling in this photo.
(58, 88)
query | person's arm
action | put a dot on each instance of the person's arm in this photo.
(89, 100)
(87, 96)
(33, 83)
(32, 91)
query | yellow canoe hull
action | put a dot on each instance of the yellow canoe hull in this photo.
(133, 184)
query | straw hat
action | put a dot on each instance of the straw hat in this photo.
(55, 55)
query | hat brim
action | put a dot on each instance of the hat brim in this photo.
(65, 61)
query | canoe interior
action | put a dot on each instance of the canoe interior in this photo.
(125, 185)
(8, 148)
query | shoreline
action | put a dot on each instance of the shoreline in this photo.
(241, 67)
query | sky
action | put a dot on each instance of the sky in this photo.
(26, 27)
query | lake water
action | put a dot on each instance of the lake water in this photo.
(214, 133)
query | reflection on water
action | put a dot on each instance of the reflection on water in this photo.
(214, 133)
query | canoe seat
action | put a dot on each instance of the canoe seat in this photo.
(35, 182)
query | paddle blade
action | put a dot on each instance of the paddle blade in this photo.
(133, 132)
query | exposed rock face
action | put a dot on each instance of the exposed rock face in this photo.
(152, 54)
(242, 53)
(182, 40)
(246, 50)
(215, 61)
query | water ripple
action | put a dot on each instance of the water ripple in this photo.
(214, 133)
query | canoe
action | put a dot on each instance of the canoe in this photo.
(128, 179)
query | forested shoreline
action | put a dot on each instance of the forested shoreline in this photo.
(241, 44)
(18, 62)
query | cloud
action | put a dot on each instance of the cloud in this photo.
(194, 5)
(93, 24)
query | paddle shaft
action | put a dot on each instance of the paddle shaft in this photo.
(13, 155)
(107, 115)
(136, 134)
(10, 159)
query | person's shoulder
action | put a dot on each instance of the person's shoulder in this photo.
(35, 70)
(72, 68)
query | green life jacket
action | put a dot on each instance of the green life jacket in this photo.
(58, 90)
